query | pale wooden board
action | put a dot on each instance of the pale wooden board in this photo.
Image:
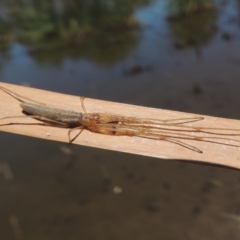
(212, 153)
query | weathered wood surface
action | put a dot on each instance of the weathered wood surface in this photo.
(212, 153)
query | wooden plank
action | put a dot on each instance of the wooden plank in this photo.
(212, 153)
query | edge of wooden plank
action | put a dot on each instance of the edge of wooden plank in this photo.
(212, 153)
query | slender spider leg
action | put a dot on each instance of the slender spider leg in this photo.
(185, 145)
(70, 130)
(124, 130)
(47, 121)
(17, 96)
(182, 120)
(82, 104)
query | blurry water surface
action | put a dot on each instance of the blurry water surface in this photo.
(134, 52)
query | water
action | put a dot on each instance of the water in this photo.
(68, 194)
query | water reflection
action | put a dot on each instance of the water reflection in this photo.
(5, 34)
(194, 30)
(103, 32)
(90, 29)
(71, 193)
(192, 21)
(180, 8)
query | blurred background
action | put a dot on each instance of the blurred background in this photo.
(179, 55)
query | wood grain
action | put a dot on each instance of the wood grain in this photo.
(212, 153)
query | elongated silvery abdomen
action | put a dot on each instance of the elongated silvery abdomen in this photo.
(70, 118)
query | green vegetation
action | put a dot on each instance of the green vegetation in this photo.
(5, 35)
(35, 21)
(69, 27)
(179, 8)
(192, 21)
(194, 30)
